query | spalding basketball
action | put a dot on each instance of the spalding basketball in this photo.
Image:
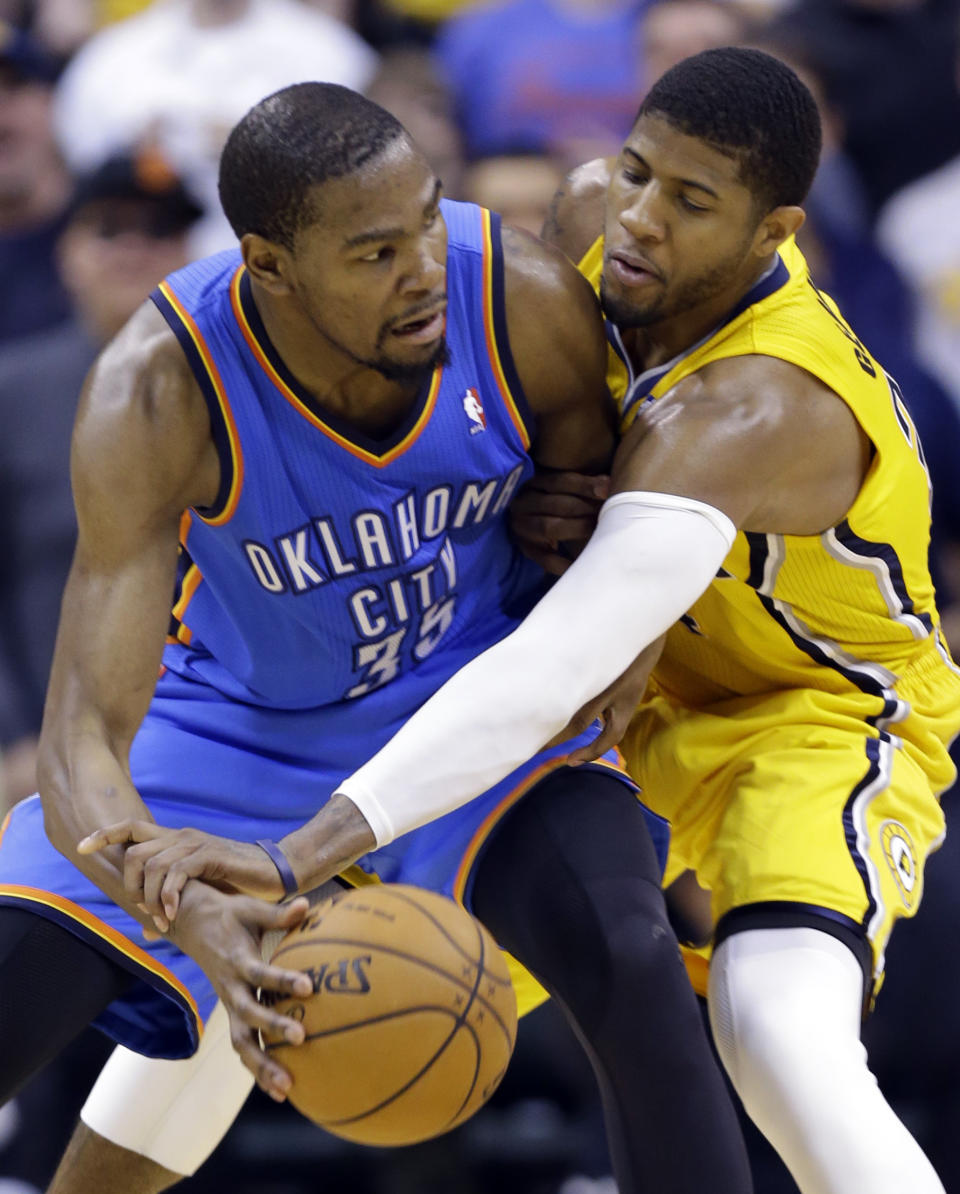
(412, 1019)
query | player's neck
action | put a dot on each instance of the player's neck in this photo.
(338, 384)
(659, 342)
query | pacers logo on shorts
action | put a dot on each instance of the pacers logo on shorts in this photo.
(901, 858)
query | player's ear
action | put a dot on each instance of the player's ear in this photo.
(776, 226)
(267, 262)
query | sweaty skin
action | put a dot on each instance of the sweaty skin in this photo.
(143, 453)
(685, 243)
(728, 434)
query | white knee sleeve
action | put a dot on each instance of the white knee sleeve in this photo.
(785, 1010)
(176, 1112)
(173, 1112)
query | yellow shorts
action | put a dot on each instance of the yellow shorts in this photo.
(794, 797)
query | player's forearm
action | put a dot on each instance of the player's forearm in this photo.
(83, 786)
(649, 560)
(331, 841)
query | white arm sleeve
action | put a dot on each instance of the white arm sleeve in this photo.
(649, 559)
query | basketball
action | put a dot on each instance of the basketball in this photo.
(412, 1019)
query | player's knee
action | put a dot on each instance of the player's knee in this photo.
(779, 1018)
(639, 954)
(645, 948)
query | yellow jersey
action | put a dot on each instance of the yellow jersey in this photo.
(850, 609)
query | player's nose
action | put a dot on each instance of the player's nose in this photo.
(425, 274)
(644, 218)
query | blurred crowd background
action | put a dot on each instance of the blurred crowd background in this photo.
(112, 115)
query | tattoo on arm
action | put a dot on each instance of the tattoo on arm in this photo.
(552, 229)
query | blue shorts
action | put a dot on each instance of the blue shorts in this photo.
(242, 772)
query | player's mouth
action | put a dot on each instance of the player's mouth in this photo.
(632, 269)
(423, 329)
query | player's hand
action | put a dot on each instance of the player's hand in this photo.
(158, 862)
(615, 706)
(223, 934)
(554, 509)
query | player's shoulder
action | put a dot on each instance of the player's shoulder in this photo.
(553, 319)
(546, 296)
(142, 374)
(575, 218)
(143, 427)
(536, 272)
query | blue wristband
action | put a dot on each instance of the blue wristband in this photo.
(281, 862)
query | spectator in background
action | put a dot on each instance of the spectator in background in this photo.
(556, 75)
(34, 187)
(183, 72)
(409, 86)
(62, 26)
(676, 29)
(919, 228)
(126, 229)
(887, 67)
(519, 186)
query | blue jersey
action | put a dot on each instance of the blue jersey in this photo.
(334, 566)
(334, 585)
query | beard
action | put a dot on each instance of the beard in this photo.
(628, 312)
(409, 372)
(404, 372)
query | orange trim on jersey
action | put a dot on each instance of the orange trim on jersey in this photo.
(191, 582)
(493, 352)
(115, 938)
(6, 822)
(186, 521)
(301, 408)
(495, 815)
(236, 454)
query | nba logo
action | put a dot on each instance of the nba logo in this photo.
(474, 411)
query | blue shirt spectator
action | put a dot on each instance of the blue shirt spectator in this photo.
(541, 75)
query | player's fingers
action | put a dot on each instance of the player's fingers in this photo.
(581, 721)
(260, 1014)
(533, 502)
(118, 834)
(258, 973)
(173, 884)
(273, 916)
(271, 1077)
(608, 737)
(160, 923)
(577, 484)
(548, 558)
(155, 871)
(135, 860)
(548, 529)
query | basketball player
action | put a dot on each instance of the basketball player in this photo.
(769, 510)
(317, 438)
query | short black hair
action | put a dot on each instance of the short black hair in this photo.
(292, 141)
(749, 105)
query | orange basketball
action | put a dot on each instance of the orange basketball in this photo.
(412, 1019)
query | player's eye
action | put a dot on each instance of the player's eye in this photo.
(384, 253)
(690, 205)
